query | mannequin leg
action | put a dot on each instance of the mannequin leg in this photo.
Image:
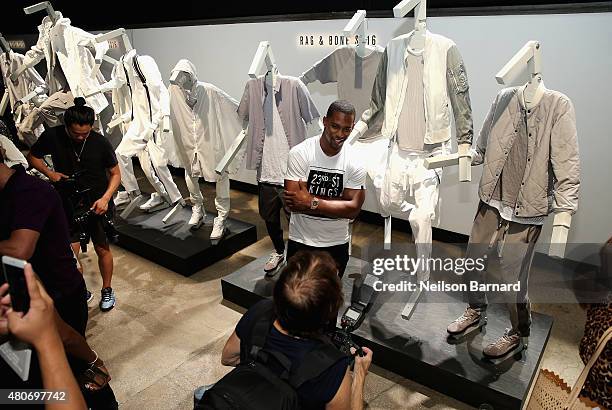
(222, 198)
(194, 189)
(164, 175)
(515, 265)
(147, 168)
(128, 179)
(421, 217)
(198, 214)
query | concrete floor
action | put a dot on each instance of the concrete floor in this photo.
(164, 338)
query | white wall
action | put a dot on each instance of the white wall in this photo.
(576, 61)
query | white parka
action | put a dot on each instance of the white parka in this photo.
(204, 123)
(72, 48)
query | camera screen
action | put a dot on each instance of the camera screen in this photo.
(18, 289)
(352, 314)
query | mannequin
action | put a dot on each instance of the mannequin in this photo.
(420, 77)
(78, 55)
(23, 94)
(204, 123)
(140, 90)
(520, 170)
(352, 68)
(275, 125)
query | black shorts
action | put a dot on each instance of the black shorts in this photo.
(95, 228)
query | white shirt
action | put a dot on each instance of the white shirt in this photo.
(276, 146)
(326, 177)
(12, 156)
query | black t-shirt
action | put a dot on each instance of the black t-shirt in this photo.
(96, 157)
(27, 202)
(315, 393)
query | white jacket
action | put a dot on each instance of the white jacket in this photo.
(437, 112)
(150, 103)
(204, 124)
(72, 48)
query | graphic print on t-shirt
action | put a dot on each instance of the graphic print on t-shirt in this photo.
(325, 182)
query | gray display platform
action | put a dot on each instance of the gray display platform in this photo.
(418, 349)
(175, 246)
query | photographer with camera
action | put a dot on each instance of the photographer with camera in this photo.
(33, 227)
(283, 357)
(38, 328)
(84, 166)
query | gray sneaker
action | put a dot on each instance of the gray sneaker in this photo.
(470, 319)
(504, 345)
(107, 302)
(273, 263)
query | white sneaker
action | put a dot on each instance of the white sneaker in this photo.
(122, 198)
(273, 262)
(197, 216)
(218, 228)
(155, 200)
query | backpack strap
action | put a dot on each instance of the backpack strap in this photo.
(264, 357)
(315, 362)
(255, 335)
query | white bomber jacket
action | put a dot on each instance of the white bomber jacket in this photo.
(445, 84)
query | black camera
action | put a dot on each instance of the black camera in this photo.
(342, 338)
(77, 204)
(83, 221)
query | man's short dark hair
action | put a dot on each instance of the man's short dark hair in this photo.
(79, 113)
(308, 294)
(342, 106)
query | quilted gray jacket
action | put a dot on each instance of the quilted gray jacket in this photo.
(552, 176)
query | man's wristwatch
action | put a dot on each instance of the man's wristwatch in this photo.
(314, 203)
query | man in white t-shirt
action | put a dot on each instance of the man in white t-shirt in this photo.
(325, 188)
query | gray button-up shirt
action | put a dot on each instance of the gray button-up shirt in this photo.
(295, 107)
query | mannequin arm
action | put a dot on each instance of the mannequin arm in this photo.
(3, 103)
(465, 163)
(231, 153)
(463, 158)
(14, 76)
(558, 240)
(358, 130)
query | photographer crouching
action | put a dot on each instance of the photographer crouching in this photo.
(282, 354)
(86, 176)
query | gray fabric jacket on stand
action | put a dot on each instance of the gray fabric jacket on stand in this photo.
(552, 176)
(353, 74)
(295, 107)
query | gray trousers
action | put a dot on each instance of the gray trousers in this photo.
(489, 232)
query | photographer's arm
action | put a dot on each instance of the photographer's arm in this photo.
(231, 351)
(40, 165)
(37, 327)
(101, 205)
(350, 393)
(298, 199)
(21, 244)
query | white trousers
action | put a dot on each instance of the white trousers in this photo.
(222, 198)
(155, 170)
